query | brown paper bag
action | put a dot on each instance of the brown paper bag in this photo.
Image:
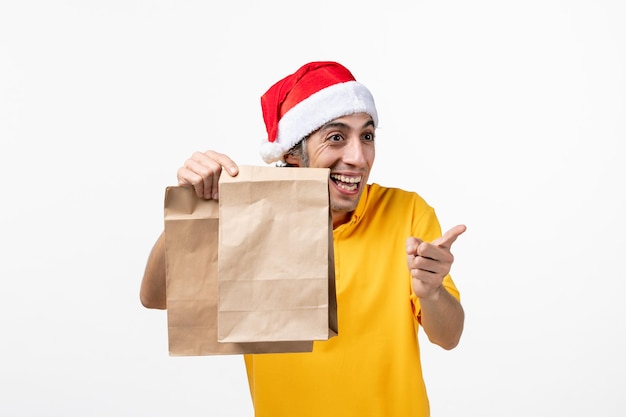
(275, 266)
(191, 245)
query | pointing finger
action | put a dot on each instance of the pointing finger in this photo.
(450, 236)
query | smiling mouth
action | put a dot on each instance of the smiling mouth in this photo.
(346, 183)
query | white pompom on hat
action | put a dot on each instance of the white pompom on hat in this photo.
(304, 101)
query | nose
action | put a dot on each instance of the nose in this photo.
(354, 153)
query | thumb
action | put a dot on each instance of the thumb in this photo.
(450, 236)
(411, 245)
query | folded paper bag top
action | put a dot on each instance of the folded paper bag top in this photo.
(275, 259)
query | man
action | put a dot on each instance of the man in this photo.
(392, 264)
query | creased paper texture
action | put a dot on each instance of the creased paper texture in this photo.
(191, 248)
(275, 265)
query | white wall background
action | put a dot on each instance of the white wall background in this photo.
(508, 116)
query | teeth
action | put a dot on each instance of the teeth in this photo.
(343, 178)
(347, 187)
(347, 183)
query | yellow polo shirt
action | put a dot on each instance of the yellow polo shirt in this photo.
(372, 367)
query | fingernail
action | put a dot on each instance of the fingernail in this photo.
(215, 196)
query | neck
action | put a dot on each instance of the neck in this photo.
(340, 217)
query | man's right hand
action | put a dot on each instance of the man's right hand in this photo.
(202, 171)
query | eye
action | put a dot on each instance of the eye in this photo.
(335, 138)
(368, 137)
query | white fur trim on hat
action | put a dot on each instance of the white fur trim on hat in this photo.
(272, 151)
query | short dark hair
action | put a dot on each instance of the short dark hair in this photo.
(299, 151)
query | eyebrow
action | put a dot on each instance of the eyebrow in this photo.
(341, 125)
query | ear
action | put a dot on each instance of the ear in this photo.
(293, 161)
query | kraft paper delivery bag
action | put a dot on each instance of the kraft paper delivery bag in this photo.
(191, 245)
(275, 266)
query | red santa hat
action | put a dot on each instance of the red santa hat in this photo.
(304, 101)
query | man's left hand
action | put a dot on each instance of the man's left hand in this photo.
(430, 262)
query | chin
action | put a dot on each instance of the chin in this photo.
(342, 201)
(344, 205)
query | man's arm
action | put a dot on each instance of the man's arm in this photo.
(202, 172)
(442, 315)
(442, 318)
(152, 292)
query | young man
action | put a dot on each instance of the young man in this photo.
(392, 264)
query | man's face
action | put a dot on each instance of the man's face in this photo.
(346, 146)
